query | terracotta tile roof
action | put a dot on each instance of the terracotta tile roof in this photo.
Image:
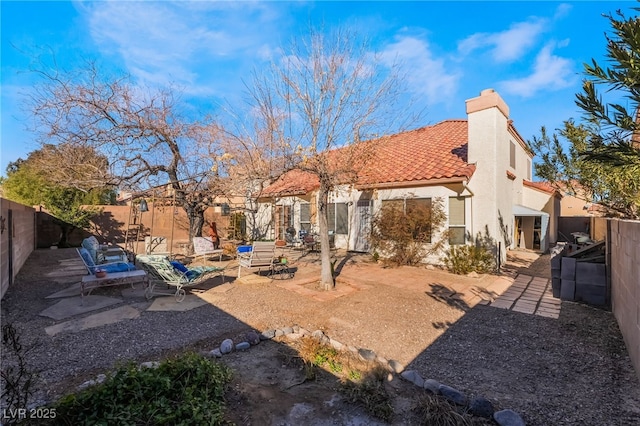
(293, 182)
(542, 186)
(511, 175)
(412, 157)
(433, 152)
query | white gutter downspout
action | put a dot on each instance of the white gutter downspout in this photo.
(465, 186)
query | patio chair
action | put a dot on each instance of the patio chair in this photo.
(171, 273)
(91, 266)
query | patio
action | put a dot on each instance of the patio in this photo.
(439, 324)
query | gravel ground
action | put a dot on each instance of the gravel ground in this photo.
(571, 371)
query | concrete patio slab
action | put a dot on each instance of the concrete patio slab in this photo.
(71, 291)
(96, 320)
(169, 303)
(67, 308)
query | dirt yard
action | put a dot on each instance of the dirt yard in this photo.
(566, 371)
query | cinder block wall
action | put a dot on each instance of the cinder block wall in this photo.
(624, 246)
(17, 240)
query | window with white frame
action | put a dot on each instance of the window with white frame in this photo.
(457, 223)
(305, 217)
(421, 206)
(338, 218)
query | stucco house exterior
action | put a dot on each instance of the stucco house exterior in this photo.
(480, 168)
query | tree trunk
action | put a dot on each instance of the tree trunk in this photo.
(326, 276)
(196, 222)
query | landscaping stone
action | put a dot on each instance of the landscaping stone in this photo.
(150, 364)
(481, 407)
(318, 334)
(508, 418)
(294, 336)
(268, 334)
(296, 329)
(226, 346)
(279, 333)
(215, 353)
(432, 386)
(367, 354)
(414, 377)
(336, 345)
(243, 346)
(287, 330)
(453, 395)
(253, 338)
(395, 366)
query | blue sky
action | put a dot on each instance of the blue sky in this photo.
(530, 52)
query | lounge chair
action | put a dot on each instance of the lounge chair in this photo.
(203, 247)
(170, 273)
(91, 266)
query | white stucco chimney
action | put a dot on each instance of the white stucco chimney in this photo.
(488, 98)
(488, 149)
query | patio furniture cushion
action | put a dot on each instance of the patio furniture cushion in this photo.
(92, 245)
(108, 267)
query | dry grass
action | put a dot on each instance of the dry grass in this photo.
(361, 382)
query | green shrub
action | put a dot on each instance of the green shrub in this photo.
(463, 259)
(188, 390)
(370, 392)
(402, 229)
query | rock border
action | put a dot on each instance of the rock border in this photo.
(477, 406)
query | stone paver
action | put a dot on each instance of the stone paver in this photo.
(530, 295)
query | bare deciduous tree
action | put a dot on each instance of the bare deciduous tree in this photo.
(326, 93)
(139, 130)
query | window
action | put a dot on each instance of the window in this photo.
(305, 217)
(414, 208)
(512, 155)
(338, 218)
(457, 226)
(283, 221)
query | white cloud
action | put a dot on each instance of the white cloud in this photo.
(550, 73)
(426, 74)
(508, 45)
(183, 43)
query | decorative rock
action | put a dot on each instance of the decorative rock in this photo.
(304, 331)
(508, 418)
(287, 330)
(414, 377)
(101, 378)
(215, 353)
(226, 346)
(296, 329)
(294, 336)
(86, 384)
(395, 366)
(432, 386)
(318, 334)
(324, 340)
(367, 354)
(253, 338)
(242, 346)
(453, 395)
(336, 345)
(279, 333)
(150, 364)
(268, 334)
(481, 407)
